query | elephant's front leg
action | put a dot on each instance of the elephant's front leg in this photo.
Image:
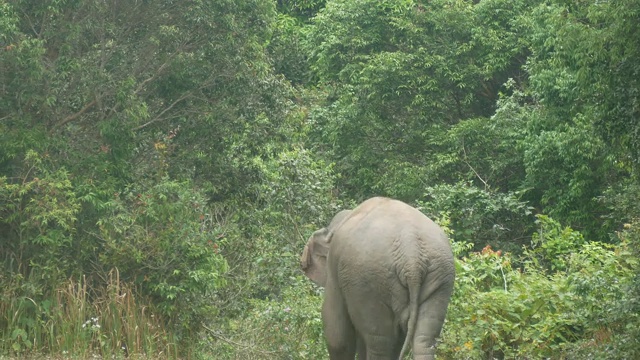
(338, 329)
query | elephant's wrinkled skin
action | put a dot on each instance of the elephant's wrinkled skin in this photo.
(388, 275)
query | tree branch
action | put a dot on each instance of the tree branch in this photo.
(154, 76)
(229, 341)
(72, 117)
(159, 117)
(464, 151)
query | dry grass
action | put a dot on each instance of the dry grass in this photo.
(79, 322)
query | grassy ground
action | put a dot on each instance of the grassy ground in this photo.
(72, 357)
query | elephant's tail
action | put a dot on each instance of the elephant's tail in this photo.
(413, 284)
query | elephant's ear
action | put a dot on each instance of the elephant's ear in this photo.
(314, 257)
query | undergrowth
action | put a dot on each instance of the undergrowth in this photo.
(106, 319)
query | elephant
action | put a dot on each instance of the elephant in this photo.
(388, 273)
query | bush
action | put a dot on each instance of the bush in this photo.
(479, 216)
(571, 299)
(552, 244)
(159, 238)
(501, 312)
(286, 328)
(38, 215)
(293, 199)
(608, 282)
(163, 240)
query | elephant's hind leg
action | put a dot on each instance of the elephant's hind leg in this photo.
(380, 334)
(338, 329)
(361, 348)
(382, 347)
(430, 320)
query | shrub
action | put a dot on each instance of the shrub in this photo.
(294, 199)
(607, 281)
(480, 216)
(163, 240)
(38, 216)
(289, 327)
(501, 312)
(160, 238)
(570, 299)
(552, 244)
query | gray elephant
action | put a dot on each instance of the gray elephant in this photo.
(388, 275)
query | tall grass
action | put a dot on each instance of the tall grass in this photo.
(81, 321)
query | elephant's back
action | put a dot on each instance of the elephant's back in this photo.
(381, 221)
(385, 242)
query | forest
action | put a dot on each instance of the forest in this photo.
(163, 162)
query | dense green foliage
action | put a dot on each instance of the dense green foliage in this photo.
(163, 162)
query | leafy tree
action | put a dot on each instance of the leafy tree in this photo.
(481, 217)
(294, 199)
(117, 118)
(38, 216)
(182, 152)
(286, 50)
(167, 75)
(568, 160)
(562, 166)
(400, 74)
(583, 65)
(302, 9)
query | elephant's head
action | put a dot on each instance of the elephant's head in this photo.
(314, 255)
